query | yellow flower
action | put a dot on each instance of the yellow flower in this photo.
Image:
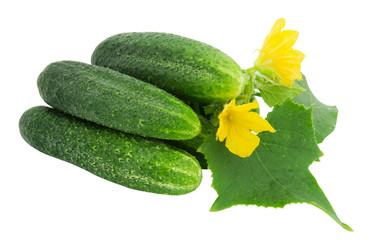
(236, 123)
(277, 58)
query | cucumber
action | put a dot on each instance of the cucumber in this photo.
(122, 158)
(191, 145)
(189, 69)
(116, 100)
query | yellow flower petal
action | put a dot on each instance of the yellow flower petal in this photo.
(284, 42)
(254, 122)
(247, 107)
(289, 56)
(222, 131)
(241, 142)
(278, 56)
(236, 123)
(275, 30)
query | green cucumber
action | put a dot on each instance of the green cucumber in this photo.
(116, 100)
(189, 69)
(122, 158)
(191, 145)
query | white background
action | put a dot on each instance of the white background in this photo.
(45, 198)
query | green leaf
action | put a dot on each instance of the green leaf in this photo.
(275, 93)
(324, 116)
(277, 172)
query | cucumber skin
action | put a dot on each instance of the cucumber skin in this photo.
(116, 100)
(189, 69)
(122, 158)
(191, 145)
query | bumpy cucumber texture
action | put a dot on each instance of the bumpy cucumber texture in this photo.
(119, 157)
(116, 100)
(189, 69)
(191, 145)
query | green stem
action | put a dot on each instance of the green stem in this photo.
(248, 89)
(253, 81)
